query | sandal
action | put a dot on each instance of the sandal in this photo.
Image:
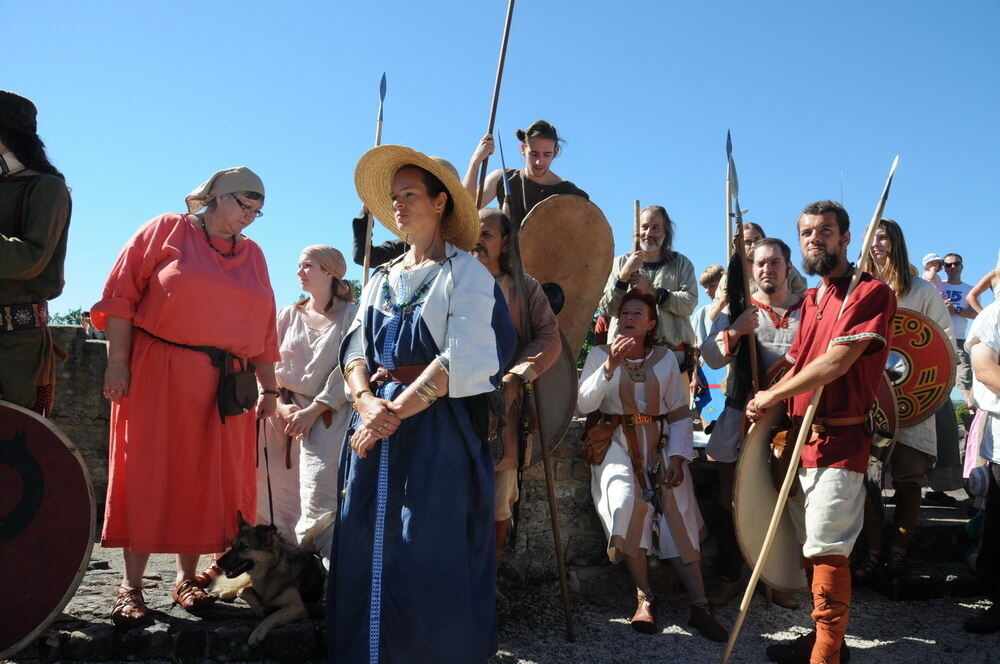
(189, 595)
(129, 608)
(205, 577)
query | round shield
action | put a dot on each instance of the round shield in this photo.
(754, 499)
(46, 524)
(566, 240)
(885, 418)
(555, 392)
(921, 366)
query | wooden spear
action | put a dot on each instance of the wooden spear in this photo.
(496, 98)
(807, 420)
(371, 219)
(635, 226)
(733, 202)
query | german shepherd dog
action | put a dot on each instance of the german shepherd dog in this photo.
(284, 580)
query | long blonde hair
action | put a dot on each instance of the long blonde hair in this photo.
(333, 263)
(896, 272)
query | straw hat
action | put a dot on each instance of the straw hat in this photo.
(373, 180)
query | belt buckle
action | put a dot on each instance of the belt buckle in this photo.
(629, 420)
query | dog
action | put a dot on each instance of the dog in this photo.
(278, 580)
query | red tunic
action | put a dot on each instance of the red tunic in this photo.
(177, 473)
(868, 317)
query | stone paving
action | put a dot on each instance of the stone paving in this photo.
(532, 628)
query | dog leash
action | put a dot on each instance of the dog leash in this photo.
(267, 469)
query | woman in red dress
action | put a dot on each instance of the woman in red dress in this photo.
(179, 472)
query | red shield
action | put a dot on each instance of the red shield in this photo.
(921, 366)
(46, 524)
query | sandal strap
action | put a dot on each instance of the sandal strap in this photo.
(645, 597)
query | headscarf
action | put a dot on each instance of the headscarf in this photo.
(332, 261)
(228, 181)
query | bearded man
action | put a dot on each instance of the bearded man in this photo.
(845, 353)
(663, 273)
(774, 318)
(538, 347)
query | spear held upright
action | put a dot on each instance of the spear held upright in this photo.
(806, 427)
(378, 142)
(496, 98)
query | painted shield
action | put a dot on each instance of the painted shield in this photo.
(46, 524)
(921, 366)
(754, 498)
(556, 393)
(566, 240)
(885, 417)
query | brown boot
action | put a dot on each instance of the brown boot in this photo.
(725, 592)
(831, 590)
(644, 619)
(706, 623)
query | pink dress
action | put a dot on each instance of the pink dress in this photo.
(178, 474)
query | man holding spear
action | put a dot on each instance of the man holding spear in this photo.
(844, 357)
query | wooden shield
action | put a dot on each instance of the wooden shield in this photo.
(921, 366)
(46, 524)
(565, 239)
(754, 498)
(885, 418)
(556, 391)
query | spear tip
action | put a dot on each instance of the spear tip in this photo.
(381, 87)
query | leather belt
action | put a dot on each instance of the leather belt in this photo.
(28, 316)
(402, 375)
(823, 424)
(638, 419)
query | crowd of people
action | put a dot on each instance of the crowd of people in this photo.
(388, 431)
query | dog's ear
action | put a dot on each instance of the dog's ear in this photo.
(240, 521)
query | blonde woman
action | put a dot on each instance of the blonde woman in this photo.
(304, 437)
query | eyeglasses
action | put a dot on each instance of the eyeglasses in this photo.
(246, 208)
(952, 264)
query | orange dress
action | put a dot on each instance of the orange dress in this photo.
(178, 474)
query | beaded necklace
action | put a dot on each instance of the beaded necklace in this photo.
(232, 240)
(406, 306)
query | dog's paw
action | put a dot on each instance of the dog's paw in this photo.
(257, 635)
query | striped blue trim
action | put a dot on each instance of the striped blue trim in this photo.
(375, 606)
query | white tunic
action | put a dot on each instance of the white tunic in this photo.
(305, 495)
(630, 523)
(924, 298)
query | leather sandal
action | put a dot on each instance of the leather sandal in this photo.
(205, 577)
(129, 608)
(189, 595)
(644, 620)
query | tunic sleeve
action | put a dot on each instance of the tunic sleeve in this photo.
(334, 393)
(715, 350)
(480, 338)
(546, 344)
(868, 317)
(680, 438)
(126, 285)
(683, 300)
(612, 297)
(46, 214)
(593, 383)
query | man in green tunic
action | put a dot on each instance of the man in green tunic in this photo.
(34, 222)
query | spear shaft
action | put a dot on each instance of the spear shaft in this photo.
(371, 219)
(496, 98)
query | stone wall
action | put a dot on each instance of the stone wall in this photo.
(82, 412)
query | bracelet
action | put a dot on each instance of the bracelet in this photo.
(358, 393)
(621, 284)
(427, 400)
(354, 364)
(274, 392)
(426, 394)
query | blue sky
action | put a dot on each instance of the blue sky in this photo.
(141, 102)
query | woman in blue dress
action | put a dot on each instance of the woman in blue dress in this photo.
(412, 570)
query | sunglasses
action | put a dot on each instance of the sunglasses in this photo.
(246, 208)
(952, 264)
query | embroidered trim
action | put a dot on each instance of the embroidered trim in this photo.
(851, 338)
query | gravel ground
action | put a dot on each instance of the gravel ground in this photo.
(532, 632)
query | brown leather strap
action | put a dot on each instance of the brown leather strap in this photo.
(406, 375)
(822, 424)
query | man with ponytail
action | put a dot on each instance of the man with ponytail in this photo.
(540, 145)
(34, 223)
